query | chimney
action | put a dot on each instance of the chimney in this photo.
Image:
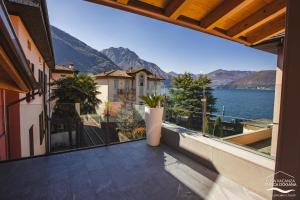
(71, 66)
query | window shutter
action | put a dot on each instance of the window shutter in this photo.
(40, 82)
(41, 127)
(32, 69)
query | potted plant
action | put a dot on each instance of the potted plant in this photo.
(153, 118)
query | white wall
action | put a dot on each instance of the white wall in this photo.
(102, 87)
(152, 88)
(140, 90)
(107, 87)
(29, 112)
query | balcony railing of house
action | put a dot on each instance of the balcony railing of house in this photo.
(72, 126)
(109, 123)
(250, 134)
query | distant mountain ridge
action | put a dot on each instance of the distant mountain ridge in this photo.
(126, 59)
(68, 49)
(235, 79)
(222, 77)
(264, 80)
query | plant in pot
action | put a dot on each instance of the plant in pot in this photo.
(153, 117)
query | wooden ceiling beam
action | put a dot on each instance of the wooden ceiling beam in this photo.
(268, 12)
(123, 1)
(143, 9)
(175, 8)
(194, 24)
(267, 30)
(226, 8)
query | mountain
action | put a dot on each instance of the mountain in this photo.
(257, 80)
(126, 59)
(172, 74)
(222, 77)
(239, 79)
(68, 49)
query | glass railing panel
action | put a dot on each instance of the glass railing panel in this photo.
(66, 127)
(38, 128)
(124, 121)
(251, 134)
(111, 123)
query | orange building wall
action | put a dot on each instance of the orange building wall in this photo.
(30, 111)
(58, 75)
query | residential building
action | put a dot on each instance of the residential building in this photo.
(126, 85)
(25, 107)
(62, 71)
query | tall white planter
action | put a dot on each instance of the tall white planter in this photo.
(153, 118)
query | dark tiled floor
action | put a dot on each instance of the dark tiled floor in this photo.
(126, 171)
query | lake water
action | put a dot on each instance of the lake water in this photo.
(248, 104)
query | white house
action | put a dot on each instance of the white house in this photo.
(126, 85)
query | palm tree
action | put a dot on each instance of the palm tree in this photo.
(153, 101)
(77, 89)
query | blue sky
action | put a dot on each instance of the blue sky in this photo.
(171, 47)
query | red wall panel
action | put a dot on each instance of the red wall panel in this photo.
(2, 129)
(13, 124)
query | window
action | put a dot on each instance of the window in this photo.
(40, 77)
(127, 85)
(116, 83)
(141, 80)
(32, 68)
(45, 84)
(41, 82)
(41, 126)
(29, 45)
(31, 142)
(28, 97)
(32, 92)
(116, 98)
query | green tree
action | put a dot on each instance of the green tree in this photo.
(208, 125)
(128, 118)
(77, 89)
(187, 94)
(218, 128)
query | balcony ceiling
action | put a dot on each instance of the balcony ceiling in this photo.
(249, 22)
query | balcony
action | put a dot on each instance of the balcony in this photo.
(131, 170)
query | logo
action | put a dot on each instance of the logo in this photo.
(282, 183)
